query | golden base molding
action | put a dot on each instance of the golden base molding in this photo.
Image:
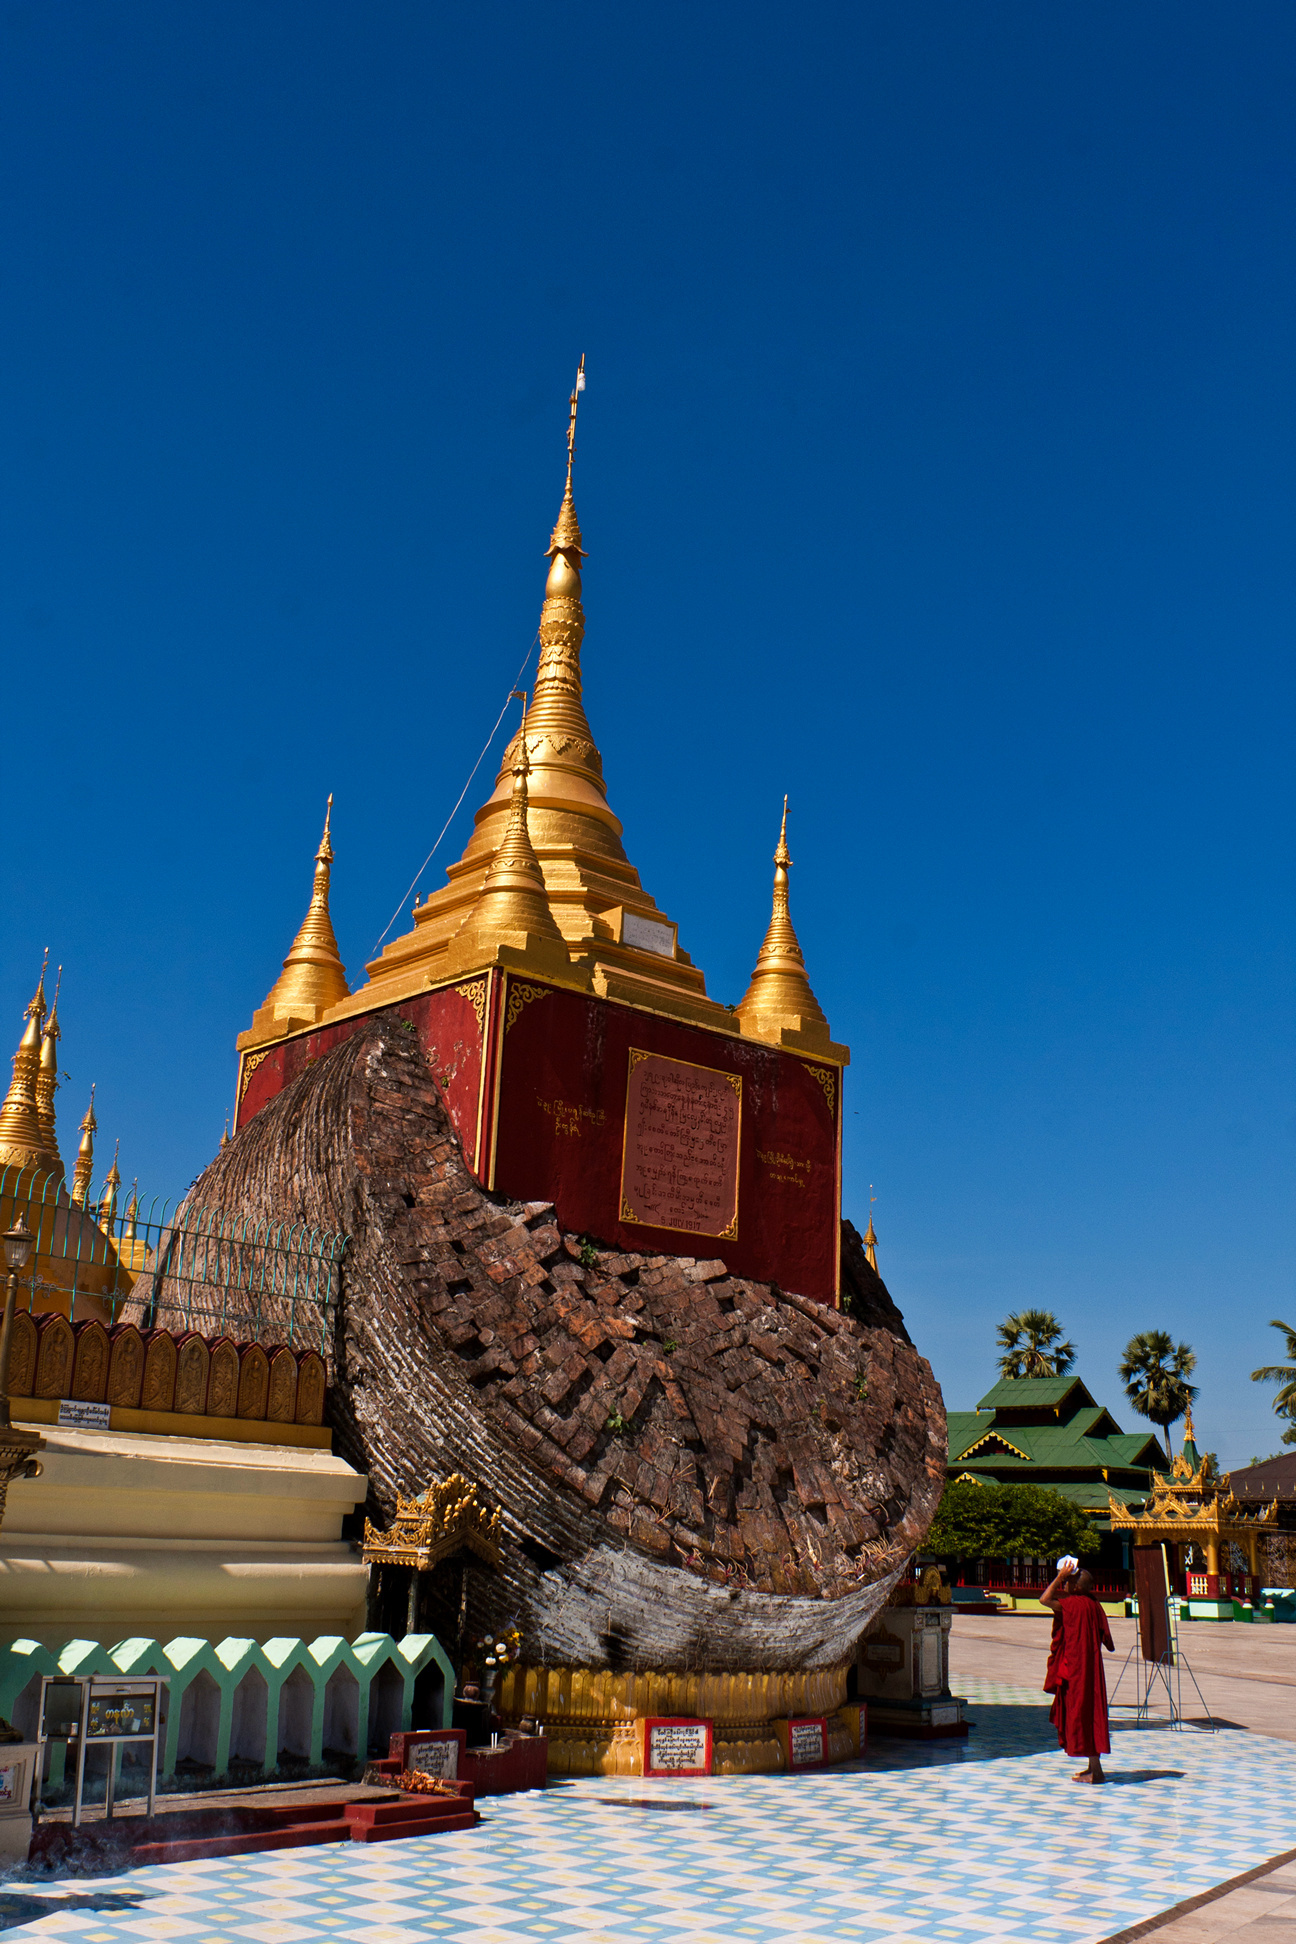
(185, 1424)
(592, 1715)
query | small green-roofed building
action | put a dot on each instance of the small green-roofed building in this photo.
(1049, 1431)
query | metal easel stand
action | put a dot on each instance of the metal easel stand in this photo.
(1167, 1673)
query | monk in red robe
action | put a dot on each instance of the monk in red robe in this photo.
(1075, 1670)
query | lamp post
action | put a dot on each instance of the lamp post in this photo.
(18, 1448)
(17, 1249)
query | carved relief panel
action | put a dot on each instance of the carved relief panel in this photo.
(158, 1393)
(193, 1363)
(254, 1381)
(22, 1355)
(223, 1382)
(54, 1355)
(126, 1367)
(90, 1366)
(310, 1388)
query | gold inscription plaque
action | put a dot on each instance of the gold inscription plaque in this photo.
(679, 1161)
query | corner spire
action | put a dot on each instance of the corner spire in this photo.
(870, 1240)
(112, 1182)
(779, 998)
(82, 1174)
(512, 906)
(46, 1087)
(313, 976)
(20, 1131)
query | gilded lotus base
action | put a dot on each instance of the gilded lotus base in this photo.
(593, 1717)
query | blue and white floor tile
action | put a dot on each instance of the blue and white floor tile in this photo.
(952, 1842)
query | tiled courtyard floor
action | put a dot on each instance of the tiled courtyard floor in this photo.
(954, 1843)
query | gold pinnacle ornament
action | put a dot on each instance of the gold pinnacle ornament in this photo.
(20, 1132)
(313, 976)
(46, 1086)
(779, 999)
(83, 1173)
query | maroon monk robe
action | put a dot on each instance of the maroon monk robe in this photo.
(1075, 1675)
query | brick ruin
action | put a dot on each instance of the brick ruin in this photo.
(693, 1470)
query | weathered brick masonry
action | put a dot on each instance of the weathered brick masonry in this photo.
(693, 1469)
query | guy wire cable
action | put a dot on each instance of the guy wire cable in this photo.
(467, 786)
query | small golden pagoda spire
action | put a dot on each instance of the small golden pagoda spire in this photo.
(82, 1174)
(870, 1243)
(20, 1131)
(779, 998)
(46, 1087)
(112, 1182)
(512, 906)
(225, 1137)
(313, 976)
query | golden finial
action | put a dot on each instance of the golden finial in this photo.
(779, 997)
(46, 1086)
(1188, 1425)
(132, 1214)
(225, 1137)
(112, 1182)
(512, 903)
(313, 976)
(84, 1170)
(870, 1240)
(20, 1130)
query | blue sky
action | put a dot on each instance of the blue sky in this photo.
(935, 467)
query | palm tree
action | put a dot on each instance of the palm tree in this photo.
(1155, 1374)
(1029, 1341)
(1285, 1374)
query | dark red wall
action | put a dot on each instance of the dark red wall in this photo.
(563, 1064)
(564, 1069)
(448, 1029)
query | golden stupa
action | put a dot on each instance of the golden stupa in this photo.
(589, 922)
(74, 1249)
(313, 977)
(779, 1005)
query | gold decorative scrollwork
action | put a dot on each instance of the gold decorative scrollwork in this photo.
(250, 1065)
(475, 994)
(828, 1081)
(520, 996)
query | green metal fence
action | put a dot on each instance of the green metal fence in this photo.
(189, 1270)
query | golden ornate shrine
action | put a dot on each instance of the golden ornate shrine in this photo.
(1192, 1509)
(428, 1529)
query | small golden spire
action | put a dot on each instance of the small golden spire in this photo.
(108, 1206)
(131, 1217)
(225, 1137)
(870, 1240)
(83, 1172)
(313, 976)
(20, 1130)
(512, 904)
(779, 996)
(1188, 1425)
(46, 1086)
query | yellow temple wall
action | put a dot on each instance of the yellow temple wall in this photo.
(152, 1535)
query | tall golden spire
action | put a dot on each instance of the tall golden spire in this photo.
(616, 936)
(20, 1132)
(46, 1086)
(313, 977)
(568, 795)
(779, 999)
(83, 1173)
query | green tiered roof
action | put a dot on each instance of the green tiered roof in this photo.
(1049, 1431)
